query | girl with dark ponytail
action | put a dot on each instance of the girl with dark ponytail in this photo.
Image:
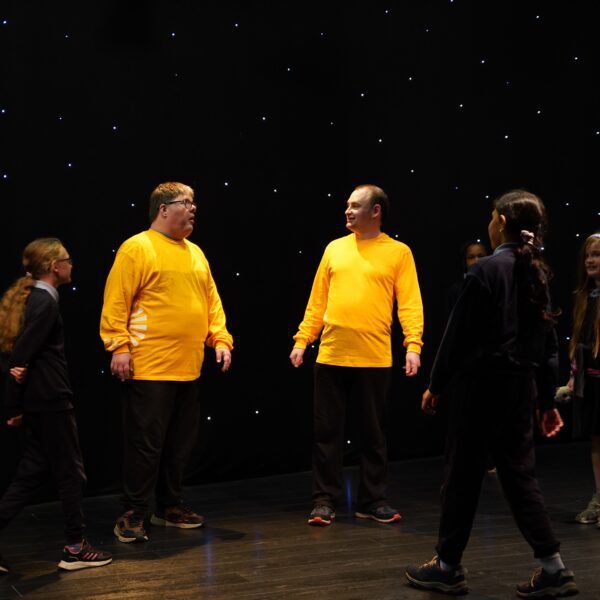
(496, 363)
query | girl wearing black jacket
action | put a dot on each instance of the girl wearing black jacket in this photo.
(39, 397)
(496, 361)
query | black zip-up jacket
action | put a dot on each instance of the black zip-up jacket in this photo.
(41, 347)
(490, 327)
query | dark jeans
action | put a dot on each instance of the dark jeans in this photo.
(334, 388)
(160, 428)
(51, 448)
(492, 412)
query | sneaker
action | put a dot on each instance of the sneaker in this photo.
(130, 528)
(429, 576)
(544, 585)
(592, 512)
(321, 515)
(84, 559)
(381, 514)
(3, 566)
(179, 515)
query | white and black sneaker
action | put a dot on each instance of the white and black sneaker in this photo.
(86, 557)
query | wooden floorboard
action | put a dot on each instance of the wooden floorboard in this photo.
(257, 545)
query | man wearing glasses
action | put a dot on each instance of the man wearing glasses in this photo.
(161, 306)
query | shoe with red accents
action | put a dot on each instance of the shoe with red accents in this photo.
(321, 516)
(381, 514)
(83, 556)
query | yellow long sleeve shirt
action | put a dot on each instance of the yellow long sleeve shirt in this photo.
(352, 300)
(162, 305)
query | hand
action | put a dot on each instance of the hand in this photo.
(550, 422)
(571, 383)
(296, 356)
(413, 362)
(223, 356)
(19, 373)
(429, 402)
(15, 421)
(121, 366)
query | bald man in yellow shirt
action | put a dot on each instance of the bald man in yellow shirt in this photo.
(161, 307)
(351, 303)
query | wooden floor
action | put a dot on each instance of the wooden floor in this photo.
(256, 543)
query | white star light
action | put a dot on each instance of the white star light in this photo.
(172, 34)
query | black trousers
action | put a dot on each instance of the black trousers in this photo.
(492, 412)
(160, 428)
(334, 387)
(51, 448)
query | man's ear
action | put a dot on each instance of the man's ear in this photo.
(376, 210)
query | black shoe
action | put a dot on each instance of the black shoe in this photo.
(3, 566)
(321, 515)
(429, 576)
(130, 528)
(543, 585)
(86, 558)
(381, 514)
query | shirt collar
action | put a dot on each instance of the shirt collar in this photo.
(49, 288)
(505, 247)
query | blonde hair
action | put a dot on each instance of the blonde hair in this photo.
(37, 260)
(584, 284)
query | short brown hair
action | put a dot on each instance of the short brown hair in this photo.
(376, 196)
(164, 193)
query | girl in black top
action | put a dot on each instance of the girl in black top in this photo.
(497, 359)
(585, 362)
(39, 397)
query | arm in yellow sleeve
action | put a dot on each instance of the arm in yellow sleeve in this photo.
(121, 288)
(218, 336)
(410, 306)
(311, 325)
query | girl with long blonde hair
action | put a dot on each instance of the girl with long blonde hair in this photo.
(39, 397)
(585, 362)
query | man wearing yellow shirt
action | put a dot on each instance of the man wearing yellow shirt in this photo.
(352, 299)
(161, 306)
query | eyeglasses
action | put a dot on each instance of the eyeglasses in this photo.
(68, 259)
(187, 203)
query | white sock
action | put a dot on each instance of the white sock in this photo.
(552, 564)
(446, 567)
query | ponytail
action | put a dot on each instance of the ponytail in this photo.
(12, 312)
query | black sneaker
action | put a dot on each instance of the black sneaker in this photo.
(544, 585)
(321, 516)
(429, 576)
(130, 528)
(3, 566)
(381, 514)
(86, 558)
(180, 515)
